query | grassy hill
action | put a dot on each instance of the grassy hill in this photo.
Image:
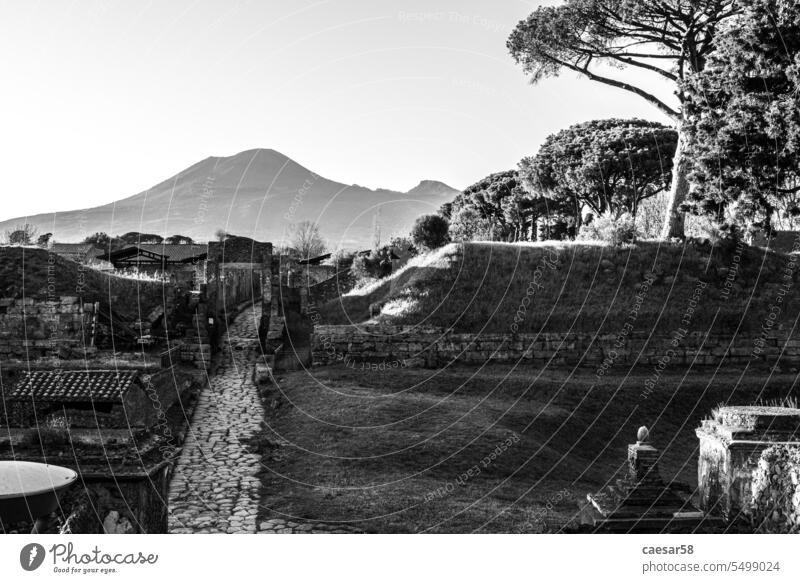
(35, 273)
(582, 287)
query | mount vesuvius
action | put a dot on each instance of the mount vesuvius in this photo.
(256, 193)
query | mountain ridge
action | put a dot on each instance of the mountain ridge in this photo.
(257, 193)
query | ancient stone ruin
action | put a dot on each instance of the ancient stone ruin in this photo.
(105, 382)
(749, 466)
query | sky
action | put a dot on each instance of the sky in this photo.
(103, 99)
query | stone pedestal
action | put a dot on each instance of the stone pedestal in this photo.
(730, 446)
(641, 501)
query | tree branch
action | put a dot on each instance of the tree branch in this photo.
(620, 85)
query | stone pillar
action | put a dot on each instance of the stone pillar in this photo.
(642, 462)
(641, 501)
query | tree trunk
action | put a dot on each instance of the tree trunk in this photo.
(674, 217)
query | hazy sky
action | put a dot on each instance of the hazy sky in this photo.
(103, 99)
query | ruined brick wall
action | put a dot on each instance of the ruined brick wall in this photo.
(32, 328)
(413, 346)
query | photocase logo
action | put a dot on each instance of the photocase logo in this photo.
(31, 556)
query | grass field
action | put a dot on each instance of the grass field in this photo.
(578, 287)
(405, 452)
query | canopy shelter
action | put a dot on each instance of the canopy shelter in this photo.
(156, 255)
(314, 260)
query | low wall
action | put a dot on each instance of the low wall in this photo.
(413, 346)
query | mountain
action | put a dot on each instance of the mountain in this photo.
(256, 193)
(432, 188)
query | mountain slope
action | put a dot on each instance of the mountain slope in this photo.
(256, 193)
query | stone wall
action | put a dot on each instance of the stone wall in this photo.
(240, 250)
(129, 297)
(32, 328)
(250, 264)
(412, 346)
(331, 288)
(232, 285)
(195, 347)
(313, 274)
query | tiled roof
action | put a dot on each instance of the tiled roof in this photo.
(173, 252)
(176, 252)
(71, 248)
(101, 386)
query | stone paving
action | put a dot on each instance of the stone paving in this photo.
(215, 487)
(282, 526)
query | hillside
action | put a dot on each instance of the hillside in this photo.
(547, 287)
(35, 273)
(256, 193)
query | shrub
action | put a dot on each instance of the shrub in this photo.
(375, 266)
(615, 231)
(22, 234)
(467, 225)
(431, 232)
(54, 432)
(775, 500)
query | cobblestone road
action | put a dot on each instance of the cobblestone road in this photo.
(214, 487)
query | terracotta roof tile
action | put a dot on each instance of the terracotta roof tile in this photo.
(101, 386)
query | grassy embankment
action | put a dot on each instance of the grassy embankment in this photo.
(375, 449)
(580, 288)
(35, 273)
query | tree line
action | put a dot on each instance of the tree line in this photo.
(731, 157)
